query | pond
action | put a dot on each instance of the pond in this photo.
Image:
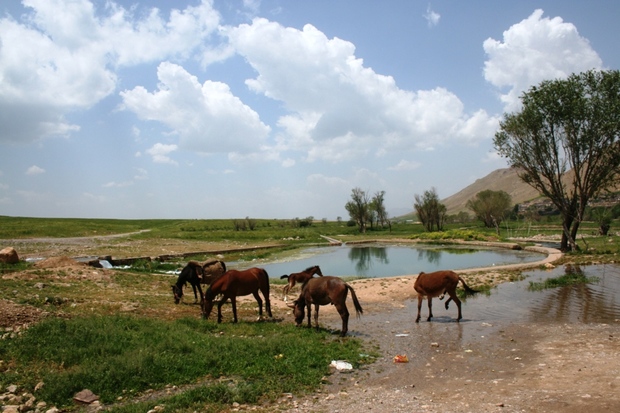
(376, 261)
(597, 301)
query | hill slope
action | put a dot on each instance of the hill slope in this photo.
(501, 179)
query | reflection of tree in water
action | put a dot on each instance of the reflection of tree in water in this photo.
(577, 302)
(363, 257)
(431, 256)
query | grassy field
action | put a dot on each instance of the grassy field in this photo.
(118, 333)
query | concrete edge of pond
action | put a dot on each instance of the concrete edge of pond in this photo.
(553, 255)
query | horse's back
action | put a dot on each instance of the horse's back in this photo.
(435, 283)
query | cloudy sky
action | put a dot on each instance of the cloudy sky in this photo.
(272, 108)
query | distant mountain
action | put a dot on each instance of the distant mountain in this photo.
(505, 180)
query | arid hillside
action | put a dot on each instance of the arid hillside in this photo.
(501, 179)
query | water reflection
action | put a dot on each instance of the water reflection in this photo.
(392, 260)
(594, 301)
(597, 301)
(363, 258)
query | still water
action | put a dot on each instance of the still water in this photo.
(595, 302)
(376, 261)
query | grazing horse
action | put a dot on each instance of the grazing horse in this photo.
(323, 291)
(234, 284)
(192, 274)
(196, 274)
(212, 270)
(437, 284)
(299, 277)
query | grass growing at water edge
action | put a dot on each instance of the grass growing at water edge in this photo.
(571, 277)
(122, 356)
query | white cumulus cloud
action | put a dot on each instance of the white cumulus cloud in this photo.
(536, 49)
(35, 170)
(338, 108)
(62, 55)
(160, 153)
(207, 117)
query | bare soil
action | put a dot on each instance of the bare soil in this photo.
(471, 366)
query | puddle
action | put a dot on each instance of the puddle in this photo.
(484, 316)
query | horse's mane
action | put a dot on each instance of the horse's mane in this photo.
(309, 268)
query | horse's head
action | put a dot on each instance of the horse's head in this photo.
(299, 310)
(207, 306)
(318, 270)
(178, 293)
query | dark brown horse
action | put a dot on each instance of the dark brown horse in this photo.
(323, 291)
(234, 284)
(196, 274)
(299, 277)
(191, 273)
(437, 284)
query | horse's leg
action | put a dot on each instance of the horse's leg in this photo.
(267, 302)
(430, 308)
(420, 298)
(233, 301)
(316, 316)
(195, 294)
(448, 302)
(457, 301)
(219, 309)
(344, 314)
(309, 308)
(260, 304)
(202, 296)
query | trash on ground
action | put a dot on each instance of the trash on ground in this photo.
(341, 365)
(401, 358)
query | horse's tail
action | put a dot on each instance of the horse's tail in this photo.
(223, 265)
(263, 273)
(284, 276)
(468, 290)
(356, 303)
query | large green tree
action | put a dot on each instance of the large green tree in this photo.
(490, 207)
(431, 212)
(568, 130)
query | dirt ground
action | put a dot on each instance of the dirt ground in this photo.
(471, 366)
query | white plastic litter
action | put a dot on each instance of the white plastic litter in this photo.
(341, 365)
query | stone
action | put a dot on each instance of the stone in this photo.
(8, 255)
(85, 396)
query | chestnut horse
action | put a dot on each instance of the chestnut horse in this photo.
(234, 284)
(299, 277)
(437, 284)
(323, 291)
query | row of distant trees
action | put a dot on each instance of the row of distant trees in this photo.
(564, 125)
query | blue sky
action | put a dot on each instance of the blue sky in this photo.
(269, 109)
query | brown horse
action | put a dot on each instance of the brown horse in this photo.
(437, 284)
(234, 284)
(299, 277)
(323, 291)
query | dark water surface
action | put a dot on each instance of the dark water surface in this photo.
(378, 261)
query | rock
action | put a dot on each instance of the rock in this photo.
(85, 396)
(8, 255)
(12, 388)
(10, 409)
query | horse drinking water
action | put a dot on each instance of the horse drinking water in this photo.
(234, 284)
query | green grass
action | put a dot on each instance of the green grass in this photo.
(573, 276)
(117, 356)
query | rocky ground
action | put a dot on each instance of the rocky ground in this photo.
(472, 366)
